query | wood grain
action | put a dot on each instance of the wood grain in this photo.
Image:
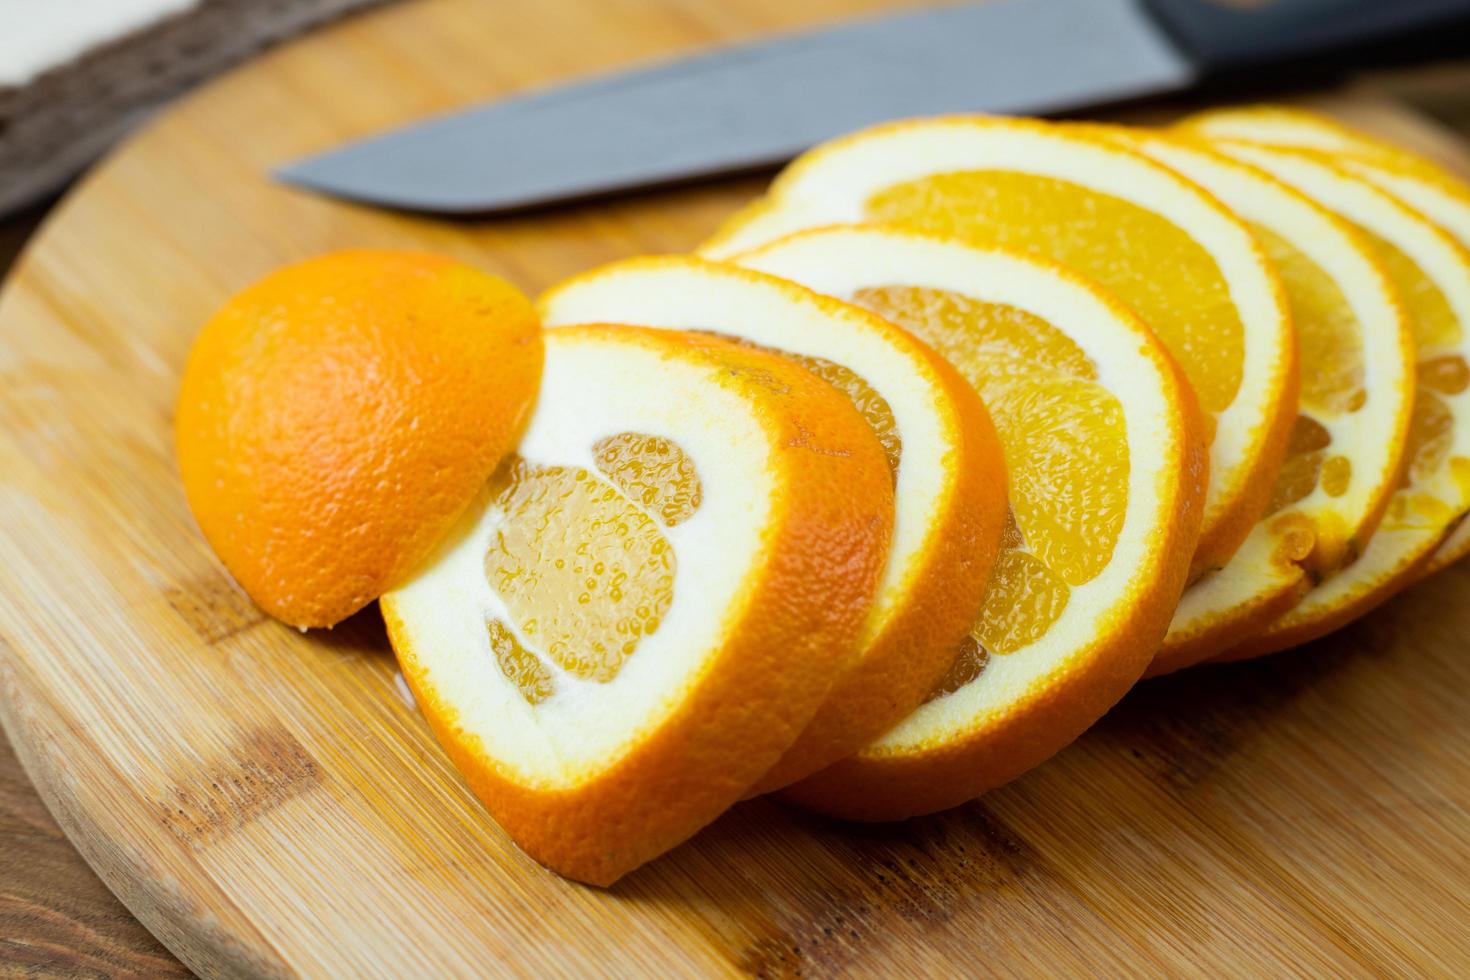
(268, 804)
(56, 917)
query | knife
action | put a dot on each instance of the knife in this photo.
(759, 104)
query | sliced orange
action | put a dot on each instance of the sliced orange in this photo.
(1356, 396)
(948, 471)
(1431, 273)
(1155, 240)
(1419, 182)
(1424, 185)
(1456, 546)
(647, 604)
(335, 417)
(1104, 446)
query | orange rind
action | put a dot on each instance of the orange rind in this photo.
(646, 606)
(1355, 397)
(1159, 243)
(1431, 273)
(1108, 467)
(948, 470)
(335, 418)
(1424, 185)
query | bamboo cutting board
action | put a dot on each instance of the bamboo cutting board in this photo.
(270, 803)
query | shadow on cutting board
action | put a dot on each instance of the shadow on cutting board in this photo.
(1185, 765)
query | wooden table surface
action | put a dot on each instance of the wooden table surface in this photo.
(58, 919)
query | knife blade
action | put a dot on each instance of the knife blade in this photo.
(762, 103)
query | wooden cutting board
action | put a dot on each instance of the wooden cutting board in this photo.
(269, 802)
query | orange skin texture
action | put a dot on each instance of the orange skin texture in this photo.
(335, 418)
(872, 787)
(796, 628)
(919, 645)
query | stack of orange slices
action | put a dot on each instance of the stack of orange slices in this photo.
(650, 601)
(1111, 215)
(1430, 270)
(948, 472)
(1105, 447)
(936, 450)
(1416, 181)
(1343, 459)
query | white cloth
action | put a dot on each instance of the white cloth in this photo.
(39, 34)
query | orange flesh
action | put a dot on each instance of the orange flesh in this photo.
(1305, 456)
(1337, 475)
(1331, 353)
(582, 566)
(653, 472)
(1024, 598)
(1065, 447)
(1429, 435)
(969, 665)
(1448, 375)
(1430, 426)
(524, 669)
(1435, 326)
(873, 407)
(1115, 242)
(1331, 350)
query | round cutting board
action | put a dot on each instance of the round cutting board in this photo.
(269, 802)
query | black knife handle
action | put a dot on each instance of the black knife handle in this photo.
(1224, 40)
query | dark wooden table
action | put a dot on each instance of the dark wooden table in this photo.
(57, 919)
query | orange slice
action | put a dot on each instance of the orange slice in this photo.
(1156, 241)
(1356, 396)
(1107, 465)
(1432, 275)
(1417, 180)
(335, 417)
(1456, 546)
(948, 472)
(1422, 184)
(647, 604)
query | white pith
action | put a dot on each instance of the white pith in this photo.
(1445, 263)
(834, 184)
(1449, 211)
(591, 389)
(1274, 127)
(688, 294)
(1365, 437)
(841, 261)
(1452, 213)
(1364, 156)
(1254, 575)
(1455, 547)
